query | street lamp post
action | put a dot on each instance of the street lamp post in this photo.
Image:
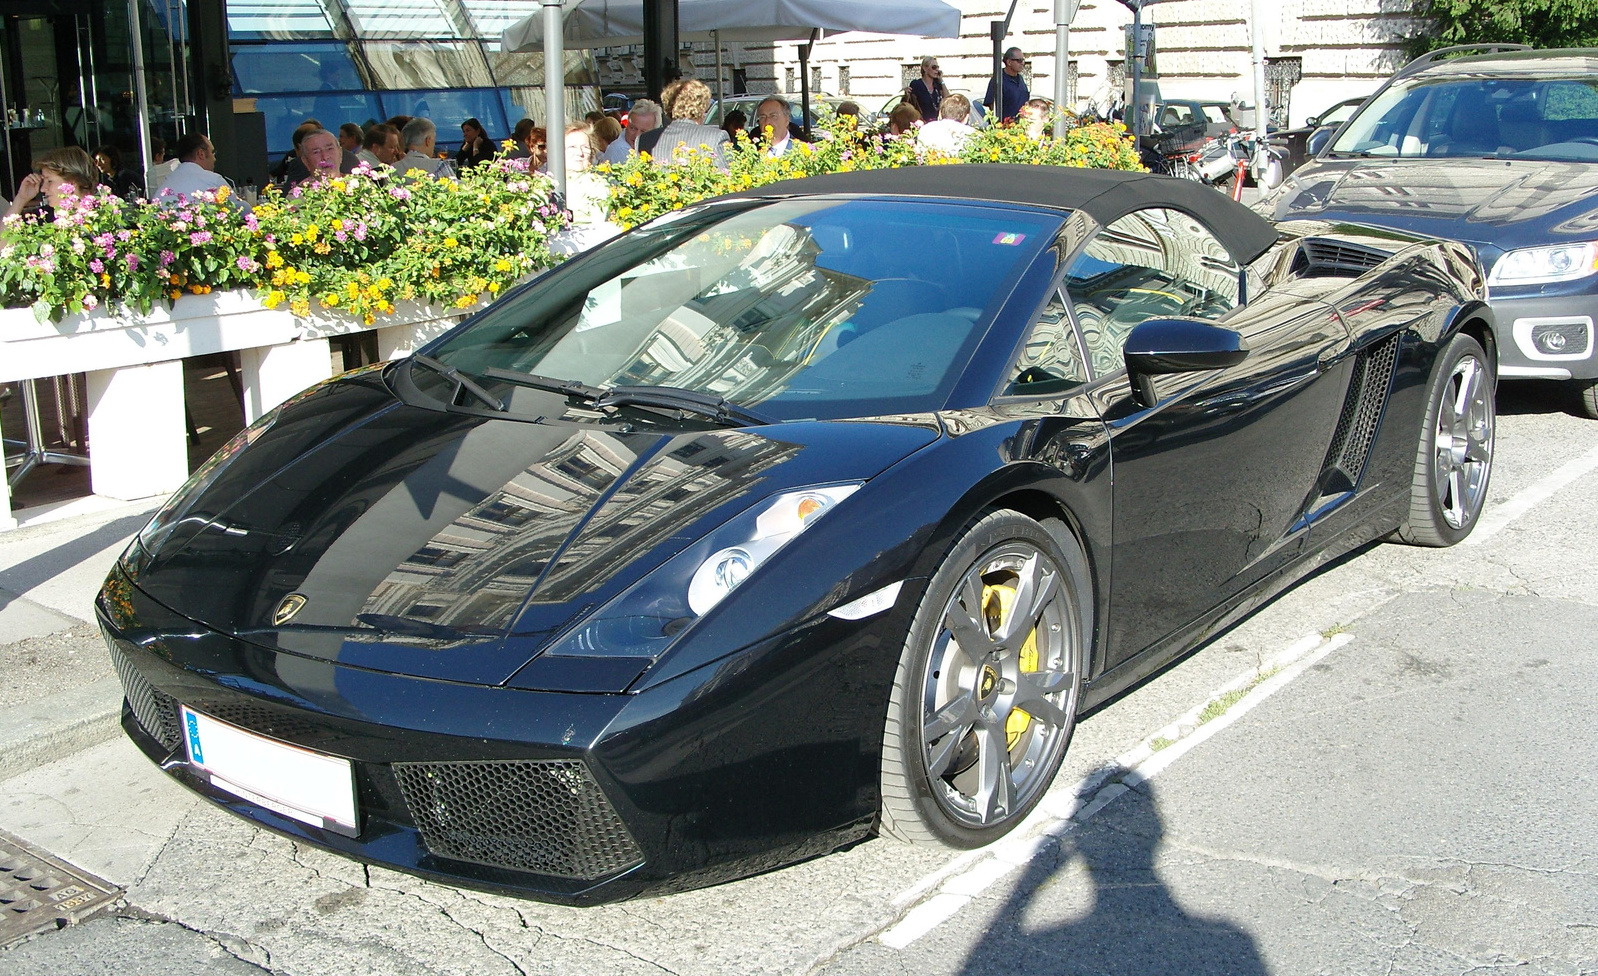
(1135, 56)
(1064, 13)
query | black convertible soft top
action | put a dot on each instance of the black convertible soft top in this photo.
(1102, 194)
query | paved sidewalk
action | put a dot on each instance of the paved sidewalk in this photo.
(55, 676)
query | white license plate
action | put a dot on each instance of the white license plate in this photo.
(310, 787)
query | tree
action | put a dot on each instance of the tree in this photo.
(1539, 23)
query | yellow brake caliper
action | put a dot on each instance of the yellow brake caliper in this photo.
(997, 602)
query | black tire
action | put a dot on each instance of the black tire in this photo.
(965, 787)
(1454, 461)
(1587, 397)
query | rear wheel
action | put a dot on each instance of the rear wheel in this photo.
(1454, 461)
(986, 693)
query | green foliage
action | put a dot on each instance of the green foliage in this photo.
(1539, 23)
(642, 190)
(354, 244)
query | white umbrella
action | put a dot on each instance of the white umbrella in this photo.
(613, 23)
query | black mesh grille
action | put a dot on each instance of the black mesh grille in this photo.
(544, 816)
(1321, 258)
(265, 721)
(1362, 411)
(157, 713)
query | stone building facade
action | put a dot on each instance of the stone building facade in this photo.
(1318, 52)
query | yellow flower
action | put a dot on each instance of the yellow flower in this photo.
(300, 306)
(493, 288)
(298, 239)
(451, 242)
(338, 224)
(330, 299)
(311, 231)
(353, 289)
(274, 259)
(222, 193)
(502, 265)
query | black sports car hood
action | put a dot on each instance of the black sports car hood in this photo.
(1496, 204)
(355, 528)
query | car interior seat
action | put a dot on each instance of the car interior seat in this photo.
(1474, 129)
(1520, 124)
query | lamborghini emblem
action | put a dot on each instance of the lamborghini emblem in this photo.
(287, 609)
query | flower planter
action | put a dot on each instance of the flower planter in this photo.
(135, 376)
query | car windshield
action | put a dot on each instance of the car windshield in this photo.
(1478, 115)
(805, 308)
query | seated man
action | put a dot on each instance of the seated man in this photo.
(196, 171)
(419, 138)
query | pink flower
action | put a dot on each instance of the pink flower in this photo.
(124, 236)
(167, 257)
(133, 262)
(200, 237)
(251, 223)
(399, 193)
(46, 250)
(360, 231)
(103, 240)
(46, 267)
(90, 303)
(246, 263)
(97, 266)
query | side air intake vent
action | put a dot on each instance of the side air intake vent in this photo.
(1320, 257)
(544, 816)
(1362, 411)
(156, 713)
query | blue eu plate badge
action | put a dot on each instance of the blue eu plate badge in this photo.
(193, 724)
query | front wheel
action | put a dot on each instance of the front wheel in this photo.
(985, 697)
(1454, 461)
(1587, 398)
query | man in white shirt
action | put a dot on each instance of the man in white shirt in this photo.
(419, 138)
(643, 116)
(772, 118)
(196, 171)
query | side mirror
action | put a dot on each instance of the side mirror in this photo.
(1318, 139)
(1163, 346)
(1313, 121)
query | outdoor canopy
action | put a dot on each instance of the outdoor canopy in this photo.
(614, 23)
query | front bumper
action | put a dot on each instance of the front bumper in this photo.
(1547, 337)
(572, 798)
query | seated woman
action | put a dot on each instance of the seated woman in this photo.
(57, 175)
(586, 195)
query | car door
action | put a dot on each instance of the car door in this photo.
(1210, 484)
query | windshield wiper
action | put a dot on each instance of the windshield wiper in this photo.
(709, 405)
(571, 388)
(461, 381)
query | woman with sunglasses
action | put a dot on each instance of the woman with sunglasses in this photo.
(927, 92)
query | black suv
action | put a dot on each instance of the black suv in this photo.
(1498, 150)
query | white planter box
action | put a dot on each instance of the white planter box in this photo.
(136, 424)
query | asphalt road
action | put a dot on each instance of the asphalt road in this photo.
(1402, 784)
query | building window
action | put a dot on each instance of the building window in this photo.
(843, 79)
(789, 81)
(815, 79)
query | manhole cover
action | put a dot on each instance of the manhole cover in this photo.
(39, 892)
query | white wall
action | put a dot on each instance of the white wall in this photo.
(1347, 47)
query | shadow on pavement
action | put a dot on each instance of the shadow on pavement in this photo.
(51, 563)
(1124, 919)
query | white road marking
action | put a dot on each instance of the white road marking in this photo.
(969, 875)
(1496, 518)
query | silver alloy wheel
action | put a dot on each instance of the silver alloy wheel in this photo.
(1464, 442)
(997, 690)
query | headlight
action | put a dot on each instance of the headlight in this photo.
(645, 619)
(1541, 265)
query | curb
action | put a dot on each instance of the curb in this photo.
(43, 731)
